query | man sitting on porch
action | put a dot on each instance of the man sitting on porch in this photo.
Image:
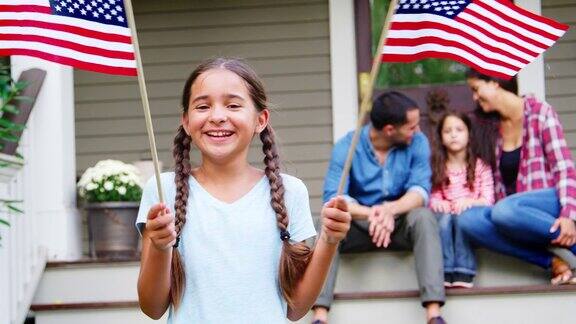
(388, 186)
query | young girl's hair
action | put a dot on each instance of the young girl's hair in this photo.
(440, 156)
(295, 257)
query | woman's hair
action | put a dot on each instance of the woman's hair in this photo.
(488, 124)
(390, 108)
(295, 257)
(439, 153)
(508, 85)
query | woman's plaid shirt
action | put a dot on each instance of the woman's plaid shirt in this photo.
(545, 159)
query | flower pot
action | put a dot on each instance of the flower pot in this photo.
(111, 229)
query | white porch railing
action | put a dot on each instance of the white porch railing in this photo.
(22, 257)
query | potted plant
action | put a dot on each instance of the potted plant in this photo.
(111, 191)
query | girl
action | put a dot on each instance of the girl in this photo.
(535, 180)
(232, 250)
(460, 180)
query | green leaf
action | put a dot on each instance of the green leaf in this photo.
(11, 109)
(12, 208)
(23, 98)
(20, 85)
(5, 222)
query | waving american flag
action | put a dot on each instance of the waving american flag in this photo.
(87, 34)
(495, 37)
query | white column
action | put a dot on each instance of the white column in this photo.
(343, 67)
(531, 79)
(52, 160)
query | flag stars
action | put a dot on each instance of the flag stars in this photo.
(107, 16)
(89, 7)
(81, 1)
(426, 6)
(100, 10)
(63, 3)
(76, 5)
(114, 12)
(416, 6)
(70, 10)
(120, 19)
(93, 3)
(58, 8)
(83, 12)
(450, 13)
(112, 2)
(406, 6)
(106, 6)
(95, 14)
(119, 8)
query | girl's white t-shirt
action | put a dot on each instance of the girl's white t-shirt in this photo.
(231, 251)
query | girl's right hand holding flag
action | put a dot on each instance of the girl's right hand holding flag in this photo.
(160, 227)
(335, 220)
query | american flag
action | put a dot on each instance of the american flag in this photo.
(494, 37)
(87, 34)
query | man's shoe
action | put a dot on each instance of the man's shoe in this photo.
(437, 320)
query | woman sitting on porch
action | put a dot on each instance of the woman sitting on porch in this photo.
(535, 181)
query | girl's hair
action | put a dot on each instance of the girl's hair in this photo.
(295, 257)
(439, 154)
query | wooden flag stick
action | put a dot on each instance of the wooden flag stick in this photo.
(144, 96)
(366, 104)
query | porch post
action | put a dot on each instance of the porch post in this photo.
(532, 79)
(343, 67)
(51, 159)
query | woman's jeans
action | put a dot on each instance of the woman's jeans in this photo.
(518, 225)
(456, 250)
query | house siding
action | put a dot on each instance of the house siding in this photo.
(286, 42)
(560, 67)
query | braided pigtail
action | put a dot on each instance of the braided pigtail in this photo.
(181, 153)
(295, 257)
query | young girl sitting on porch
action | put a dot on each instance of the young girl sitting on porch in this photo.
(215, 257)
(460, 180)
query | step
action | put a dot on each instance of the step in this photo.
(86, 281)
(92, 313)
(394, 270)
(375, 271)
(511, 305)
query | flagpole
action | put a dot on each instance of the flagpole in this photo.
(144, 96)
(366, 104)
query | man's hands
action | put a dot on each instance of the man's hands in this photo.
(381, 219)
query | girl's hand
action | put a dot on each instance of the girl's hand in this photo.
(461, 205)
(335, 220)
(442, 206)
(160, 227)
(567, 235)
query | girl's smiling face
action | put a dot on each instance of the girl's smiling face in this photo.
(221, 117)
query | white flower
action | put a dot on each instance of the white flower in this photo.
(122, 190)
(91, 186)
(108, 185)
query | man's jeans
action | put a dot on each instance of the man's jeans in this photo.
(518, 225)
(457, 252)
(417, 231)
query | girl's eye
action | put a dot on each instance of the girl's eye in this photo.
(202, 107)
(234, 106)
